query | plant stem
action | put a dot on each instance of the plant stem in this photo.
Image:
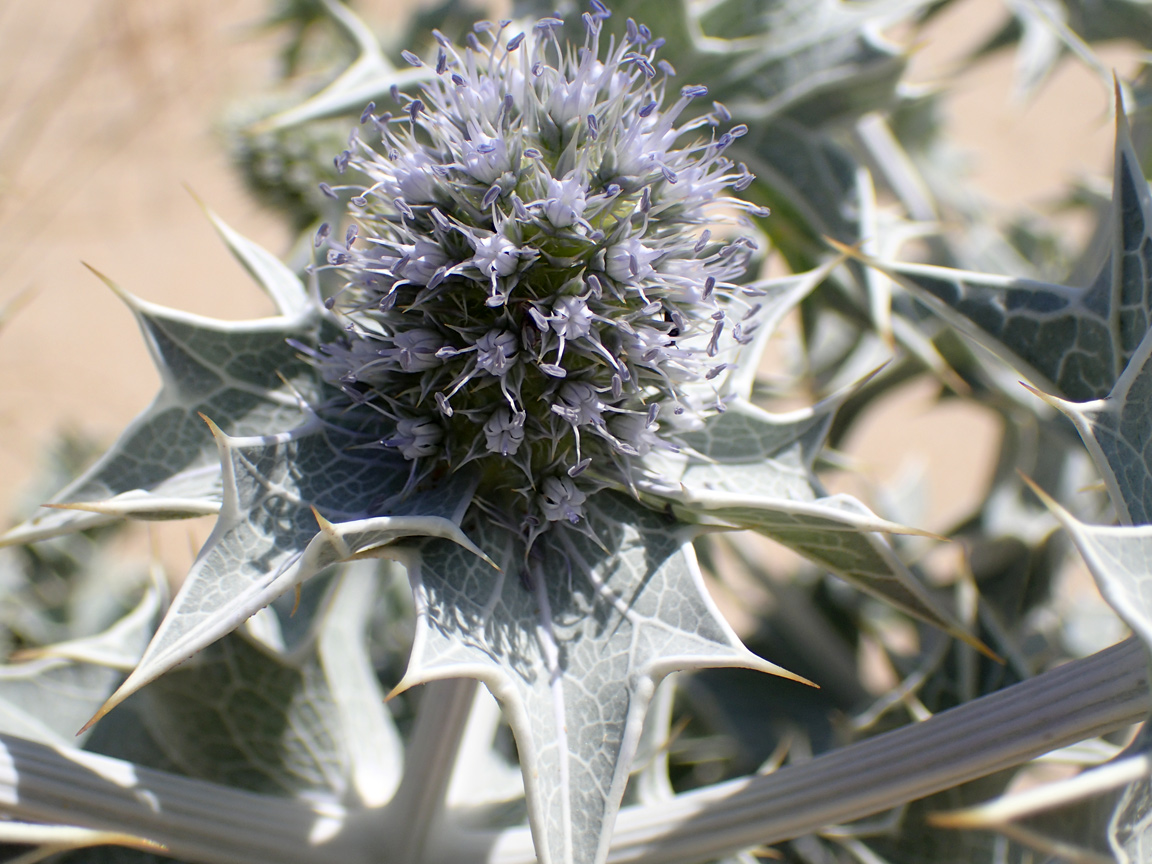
(195, 820)
(1075, 701)
(204, 822)
(414, 813)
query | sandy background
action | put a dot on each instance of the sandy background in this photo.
(106, 115)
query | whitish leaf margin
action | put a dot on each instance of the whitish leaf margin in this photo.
(332, 543)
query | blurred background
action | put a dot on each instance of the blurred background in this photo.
(113, 112)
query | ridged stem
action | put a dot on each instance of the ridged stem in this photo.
(1073, 702)
(204, 822)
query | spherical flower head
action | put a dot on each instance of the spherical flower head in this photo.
(531, 277)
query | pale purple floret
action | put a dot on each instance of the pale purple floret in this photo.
(415, 350)
(496, 350)
(571, 318)
(630, 261)
(495, 255)
(504, 432)
(422, 262)
(562, 500)
(565, 201)
(417, 439)
(579, 404)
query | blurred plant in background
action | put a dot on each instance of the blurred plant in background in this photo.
(514, 249)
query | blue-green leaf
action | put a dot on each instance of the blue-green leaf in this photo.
(1071, 342)
(1116, 430)
(751, 469)
(1120, 559)
(293, 504)
(236, 714)
(55, 688)
(244, 375)
(572, 638)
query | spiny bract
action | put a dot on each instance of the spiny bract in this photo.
(531, 281)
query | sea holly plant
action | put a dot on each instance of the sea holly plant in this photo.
(533, 341)
(514, 393)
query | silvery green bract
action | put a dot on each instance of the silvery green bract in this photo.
(512, 387)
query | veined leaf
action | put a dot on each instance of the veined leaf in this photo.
(776, 452)
(47, 695)
(1120, 559)
(312, 723)
(1116, 431)
(238, 716)
(751, 469)
(572, 638)
(1072, 342)
(272, 535)
(244, 375)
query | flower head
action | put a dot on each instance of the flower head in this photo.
(532, 279)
